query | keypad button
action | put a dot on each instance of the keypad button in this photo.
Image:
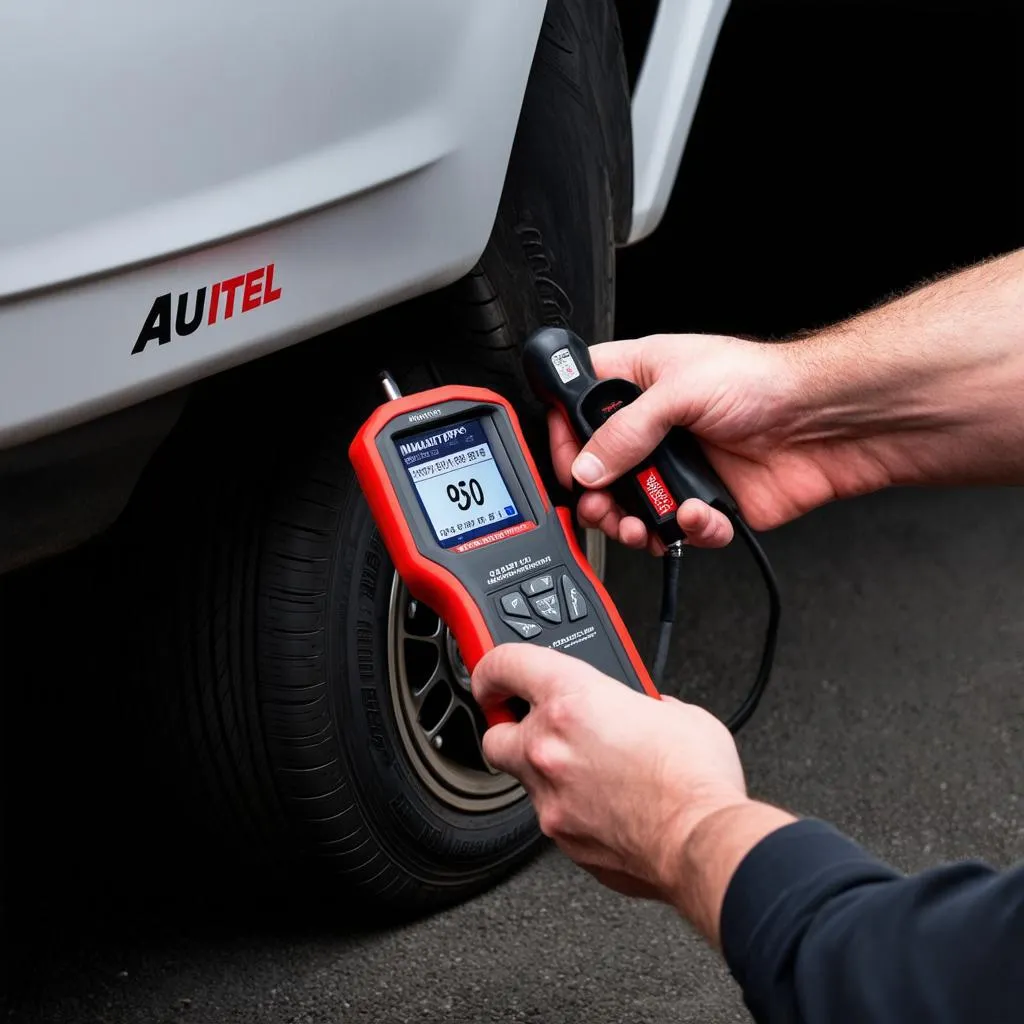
(524, 629)
(546, 606)
(515, 604)
(538, 585)
(575, 604)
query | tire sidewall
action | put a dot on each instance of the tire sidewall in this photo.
(408, 818)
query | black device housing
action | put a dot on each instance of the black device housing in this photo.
(559, 369)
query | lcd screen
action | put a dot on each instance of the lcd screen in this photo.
(458, 482)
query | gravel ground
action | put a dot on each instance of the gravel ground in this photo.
(896, 712)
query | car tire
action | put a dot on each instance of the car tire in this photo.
(295, 686)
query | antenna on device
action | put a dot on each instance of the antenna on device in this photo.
(387, 382)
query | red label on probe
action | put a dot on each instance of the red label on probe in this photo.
(657, 493)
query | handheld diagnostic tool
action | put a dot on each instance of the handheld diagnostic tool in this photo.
(471, 530)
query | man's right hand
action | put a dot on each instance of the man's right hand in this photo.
(925, 389)
(742, 399)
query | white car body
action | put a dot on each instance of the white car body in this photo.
(360, 149)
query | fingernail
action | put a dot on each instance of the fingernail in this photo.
(587, 468)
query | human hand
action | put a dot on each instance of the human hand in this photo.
(744, 401)
(619, 780)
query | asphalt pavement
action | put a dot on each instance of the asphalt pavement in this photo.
(896, 712)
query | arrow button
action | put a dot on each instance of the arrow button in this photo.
(546, 606)
(524, 629)
(538, 585)
(515, 604)
(575, 604)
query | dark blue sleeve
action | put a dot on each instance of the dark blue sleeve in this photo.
(817, 931)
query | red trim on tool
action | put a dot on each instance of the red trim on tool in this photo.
(427, 581)
(565, 518)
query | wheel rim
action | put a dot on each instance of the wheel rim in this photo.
(440, 725)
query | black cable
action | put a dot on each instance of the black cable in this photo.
(764, 670)
(669, 601)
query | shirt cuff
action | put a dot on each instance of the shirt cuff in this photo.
(777, 888)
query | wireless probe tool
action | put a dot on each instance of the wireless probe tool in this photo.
(561, 374)
(471, 530)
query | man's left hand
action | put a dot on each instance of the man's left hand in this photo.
(619, 780)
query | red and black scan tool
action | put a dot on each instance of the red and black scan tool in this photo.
(471, 530)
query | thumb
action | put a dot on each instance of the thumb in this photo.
(628, 437)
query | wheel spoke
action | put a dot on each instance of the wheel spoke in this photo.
(473, 713)
(478, 738)
(422, 693)
(453, 705)
(434, 636)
